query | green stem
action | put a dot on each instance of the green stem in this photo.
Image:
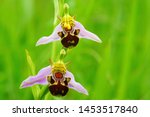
(58, 10)
(43, 91)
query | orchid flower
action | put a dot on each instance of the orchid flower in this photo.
(68, 31)
(58, 79)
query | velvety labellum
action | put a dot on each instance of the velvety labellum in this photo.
(58, 88)
(69, 40)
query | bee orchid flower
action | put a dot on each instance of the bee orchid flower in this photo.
(58, 79)
(68, 31)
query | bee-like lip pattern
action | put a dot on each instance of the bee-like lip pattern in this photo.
(76, 32)
(70, 40)
(46, 77)
(58, 88)
(58, 85)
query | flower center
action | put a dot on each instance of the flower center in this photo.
(58, 67)
(59, 75)
(67, 22)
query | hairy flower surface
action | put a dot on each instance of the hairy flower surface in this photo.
(58, 79)
(68, 31)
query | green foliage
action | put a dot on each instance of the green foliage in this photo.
(116, 69)
(35, 88)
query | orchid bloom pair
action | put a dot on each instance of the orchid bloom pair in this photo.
(56, 76)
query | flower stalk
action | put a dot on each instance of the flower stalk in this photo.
(58, 8)
(58, 11)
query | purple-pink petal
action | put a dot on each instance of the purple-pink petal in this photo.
(40, 78)
(75, 85)
(53, 37)
(85, 33)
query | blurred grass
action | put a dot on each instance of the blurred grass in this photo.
(117, 69)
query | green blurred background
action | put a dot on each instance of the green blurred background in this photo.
(119, 68)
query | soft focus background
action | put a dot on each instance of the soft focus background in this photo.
(119, 68)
